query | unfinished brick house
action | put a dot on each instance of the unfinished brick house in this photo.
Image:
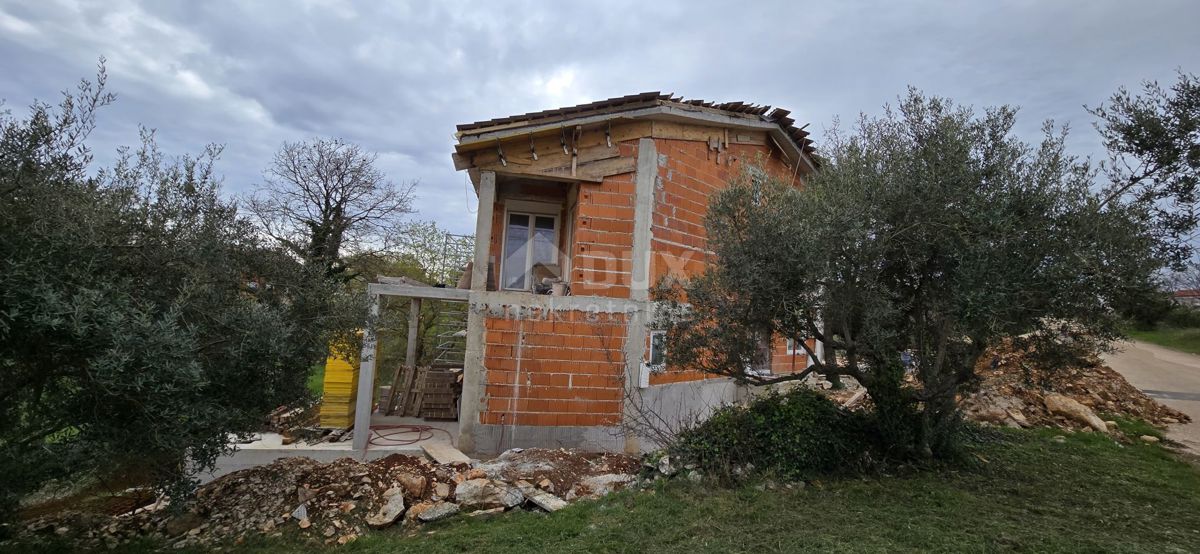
(581, 211)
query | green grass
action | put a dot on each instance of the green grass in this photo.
(1183, 339)
(316, 379)
(1024, 493)
(1133, 428)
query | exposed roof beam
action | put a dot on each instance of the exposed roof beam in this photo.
(666, 112)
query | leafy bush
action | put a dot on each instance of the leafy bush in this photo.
(794, 435)
(1183, 317)
(142, 320)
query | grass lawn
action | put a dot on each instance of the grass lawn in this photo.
(1023, 493)
(1185, 339)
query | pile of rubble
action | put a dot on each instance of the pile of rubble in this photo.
(1014, 391)
(339, 501)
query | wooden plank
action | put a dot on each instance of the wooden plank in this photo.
(460, 162)
(550, 141)
(419, 391)
(593, 172)
(552, 158)
(443, 453)
(683, 131)
(395, 391)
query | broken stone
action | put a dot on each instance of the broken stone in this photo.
(441, 490)
(305, 523)
(664, 466)
(541, 499)
(695, 476)
(601, 485)
(416, 510)
(438, 511)
(546, 485)
(1070, 408)
(304, 494)
(414, 485)
(1018, 417)
(1149, 438)
(182, 523)
(475, 473)
(485, 493)
(486, 512)
(393, 507)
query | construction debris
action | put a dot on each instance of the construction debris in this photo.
(337, 502)
(1013, 391)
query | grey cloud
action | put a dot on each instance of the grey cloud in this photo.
(397, 77)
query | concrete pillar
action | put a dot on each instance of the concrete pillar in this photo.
(643, 218)
(638, 322)
(483, 230)
(366, 377)
(472, 393)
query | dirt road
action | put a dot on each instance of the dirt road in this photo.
(1169, 376)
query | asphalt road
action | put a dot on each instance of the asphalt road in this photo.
(1169, 376)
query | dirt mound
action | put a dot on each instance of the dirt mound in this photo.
(339, 501)
(1013, 390)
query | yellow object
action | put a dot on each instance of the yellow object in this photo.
(341, 387)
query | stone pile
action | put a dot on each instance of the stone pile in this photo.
(1014, 391)
(337, 502)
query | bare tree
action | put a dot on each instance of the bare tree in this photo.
(325, 197)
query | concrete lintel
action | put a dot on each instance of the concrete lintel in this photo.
(498, 301)
(419, 291)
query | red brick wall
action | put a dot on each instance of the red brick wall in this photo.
(556, 368)
(688, 180)
(604, 235)
(783, 361)
(691, 176)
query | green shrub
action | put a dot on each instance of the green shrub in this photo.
(793, 435)
(1182, 317)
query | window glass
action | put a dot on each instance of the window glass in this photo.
(516, 244)
(658, 348)
(544, 248)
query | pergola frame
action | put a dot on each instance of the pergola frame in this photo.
(468, 412)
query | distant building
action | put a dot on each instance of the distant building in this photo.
(1187, 297)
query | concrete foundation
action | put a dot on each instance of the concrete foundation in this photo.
(494, 439)
(678, 405)
(269, 446)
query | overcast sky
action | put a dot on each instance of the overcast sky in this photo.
(397, 77)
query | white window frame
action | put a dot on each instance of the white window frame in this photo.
(660, 367)
(792, 346)
(532, 210)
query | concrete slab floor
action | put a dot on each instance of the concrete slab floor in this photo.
(390, 435)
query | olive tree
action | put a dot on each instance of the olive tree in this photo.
(1153, 142)
(142, 320)
(928, 233)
